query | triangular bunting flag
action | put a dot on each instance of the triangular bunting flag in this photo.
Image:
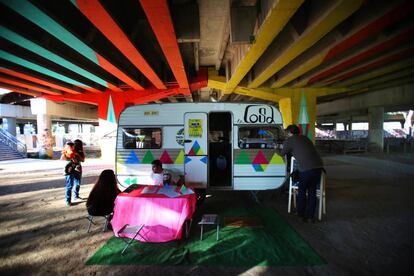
(204, 159)
(264, 167)
(243, 159)
(132, 158)
(134, 181)
(165, 158)
(200, 152)
(180, 158)
(148, 158)
(276, 159)
(128, 181)
(191, 152)
(183, 188)
(119, 159)
(257, 167)
(260, 158)
(120, 168)
(187, 159)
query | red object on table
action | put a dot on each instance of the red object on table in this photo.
(162, 216)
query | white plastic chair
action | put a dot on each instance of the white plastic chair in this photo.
(128, 229)
(293, 190)
(293, 186)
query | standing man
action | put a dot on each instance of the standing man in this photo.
(310, 168)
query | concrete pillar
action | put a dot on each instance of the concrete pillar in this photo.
(10, 124)
(345, 126)
(376, 128)
(44, 136)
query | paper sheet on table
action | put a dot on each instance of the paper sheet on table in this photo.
(169, 191)
(186, 191)
(149, 190)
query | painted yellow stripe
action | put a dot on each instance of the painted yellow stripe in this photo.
(340, 11)
(301, 83)
(271, 27)
(219, 82)
(302, 69)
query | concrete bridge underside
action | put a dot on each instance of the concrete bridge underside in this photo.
(301, 55)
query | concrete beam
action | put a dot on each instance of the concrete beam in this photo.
(242, 21)
(274, 22)
(397, 96)
(63, 110)
(335, 12)
(16, 111)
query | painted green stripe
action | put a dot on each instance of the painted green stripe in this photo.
(32, 13)
(38, 68)
(25, 43)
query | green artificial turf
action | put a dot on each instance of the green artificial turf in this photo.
(274, 243)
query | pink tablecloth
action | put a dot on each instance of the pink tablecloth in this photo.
(163, 217)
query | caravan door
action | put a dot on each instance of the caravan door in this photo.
(195, 149)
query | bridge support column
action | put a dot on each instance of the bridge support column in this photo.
(10, 122)
(44, 136)
(376, 128)
(300, 109)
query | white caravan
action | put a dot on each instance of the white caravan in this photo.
(227, 146)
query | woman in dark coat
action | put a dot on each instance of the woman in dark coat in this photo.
(101, 199)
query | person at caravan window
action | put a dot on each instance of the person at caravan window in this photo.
(310, 168)
(73, 170)
(160, 176)
(101, 200)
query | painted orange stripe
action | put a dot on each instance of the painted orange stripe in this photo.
(374, 27)
(392, 58)
(33, 79)
(20, 90)
(399, 39)
(161, 23)
(24, 85)
(96, 13)
(118, 73)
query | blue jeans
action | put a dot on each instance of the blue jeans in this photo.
(72, 180)
(308, 182)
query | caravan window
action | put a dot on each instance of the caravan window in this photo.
(141, 138)
(258, 137)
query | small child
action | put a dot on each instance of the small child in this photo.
(69, 153)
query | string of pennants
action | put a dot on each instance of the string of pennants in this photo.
(260, 162)
(149, 157)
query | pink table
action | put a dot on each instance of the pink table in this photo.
(163, 217)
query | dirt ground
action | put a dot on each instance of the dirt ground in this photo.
(368, 229)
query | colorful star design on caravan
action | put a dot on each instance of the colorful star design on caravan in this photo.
(260, 162)
(195, 150)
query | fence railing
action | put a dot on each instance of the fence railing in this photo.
(12, 142)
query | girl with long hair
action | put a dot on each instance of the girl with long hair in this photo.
(101, 199)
